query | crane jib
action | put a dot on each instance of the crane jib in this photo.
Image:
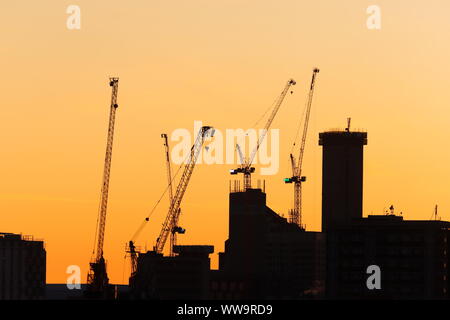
(98, 282)
(114, 83)
(182, 186)
(246, 164)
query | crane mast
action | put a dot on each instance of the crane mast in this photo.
(246, 164)
(295, 215)
(174, 209)
(97, 277)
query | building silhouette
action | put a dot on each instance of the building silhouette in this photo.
(60, 291)
(22, 267)
(342, 176)
(265, 256)
(185, 276)
(412, 257)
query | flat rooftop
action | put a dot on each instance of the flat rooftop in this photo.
(17, 237)
(338, 137)
(203, 249)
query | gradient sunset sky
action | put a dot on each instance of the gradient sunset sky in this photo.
(223, 63)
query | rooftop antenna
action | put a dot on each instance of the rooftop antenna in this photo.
(391, 209)
(348, 124)
(436, 212)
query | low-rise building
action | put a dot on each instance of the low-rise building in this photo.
(412, 256)
(184, 276)
(22, 267)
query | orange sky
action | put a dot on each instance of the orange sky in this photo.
(221, 62)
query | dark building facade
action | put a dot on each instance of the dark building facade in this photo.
(342, 176)
(265, 256)
(412, 257)
(184, 276)
(22, 268)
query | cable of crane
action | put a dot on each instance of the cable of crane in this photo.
(261, 118)
(256, 123)
(159, 200)
(265, 112)
(298, 127)
(301, 121)
(154, 207)
(98, 217)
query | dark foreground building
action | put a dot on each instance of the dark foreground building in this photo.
(412, 257)
(265, 256)
(184, 276)
(22, 267)
(342, 176)
(60, 291)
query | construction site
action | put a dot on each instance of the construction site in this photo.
(258, 151)
(267, 255)
(275, 246)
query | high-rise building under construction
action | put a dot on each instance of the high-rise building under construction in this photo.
(342, 176)
(265, 256)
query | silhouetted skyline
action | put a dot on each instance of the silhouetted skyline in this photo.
(222, 63)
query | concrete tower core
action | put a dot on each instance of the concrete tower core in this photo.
(342, 176)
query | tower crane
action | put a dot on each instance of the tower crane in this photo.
(246, 163)
(174, 209)
(170, 224)
(97, 280)
(175, 229)
(131, 249)
(295, 214)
